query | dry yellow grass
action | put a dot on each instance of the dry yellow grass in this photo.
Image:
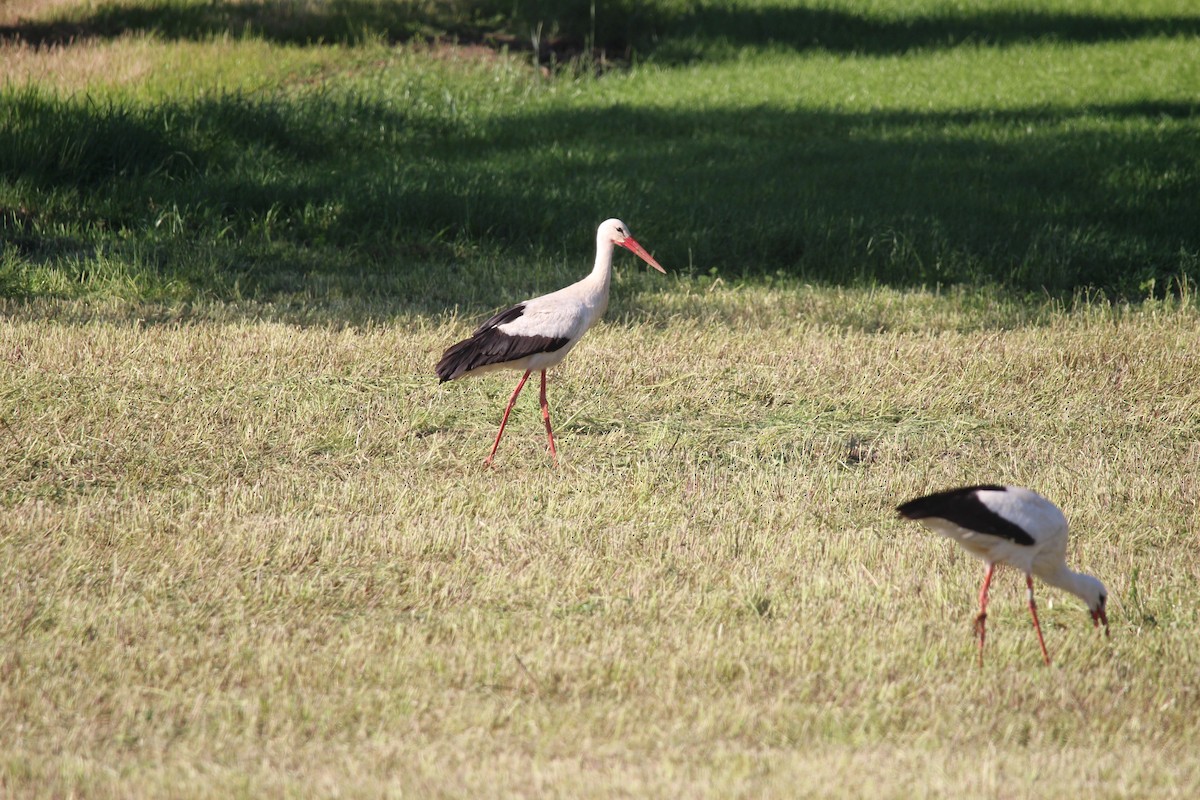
(96, 64)
(13, 12)
(140, 64)
(67, 67)
(247, 558)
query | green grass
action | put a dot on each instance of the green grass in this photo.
(246, 545)
(1054, 155)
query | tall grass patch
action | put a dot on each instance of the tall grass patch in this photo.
(1047, 161)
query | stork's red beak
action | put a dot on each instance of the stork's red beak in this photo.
(1099, 616)
(631, 244)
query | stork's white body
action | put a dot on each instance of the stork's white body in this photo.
(1043, 521)
(565, 314)
(538, 333)
(1009, 525)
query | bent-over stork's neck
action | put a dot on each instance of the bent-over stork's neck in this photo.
(1084, 586)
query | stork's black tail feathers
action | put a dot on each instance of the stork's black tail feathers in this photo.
(455, 361)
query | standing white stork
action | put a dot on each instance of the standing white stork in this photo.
(538, 333)
(1015, 526)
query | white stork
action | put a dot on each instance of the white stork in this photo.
(538, 333)
(1015, 526)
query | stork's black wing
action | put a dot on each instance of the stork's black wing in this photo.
(966, 509)
(490, 345)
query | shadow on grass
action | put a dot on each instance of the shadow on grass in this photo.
(281, 21)
(233, 196)
(713, 29)
(667, 31)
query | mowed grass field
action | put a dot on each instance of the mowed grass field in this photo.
(254, 558)
(246, 544)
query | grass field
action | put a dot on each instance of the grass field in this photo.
(246, 545)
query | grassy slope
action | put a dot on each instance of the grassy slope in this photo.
(258, 557)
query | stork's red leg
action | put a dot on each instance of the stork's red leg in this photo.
(981, 620)
(546, 417)
(487, 462)
(1036, 626)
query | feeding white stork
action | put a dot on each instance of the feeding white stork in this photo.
(538, 333)
(1015, 526)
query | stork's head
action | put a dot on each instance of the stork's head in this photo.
(1096, 597)
(616, 232)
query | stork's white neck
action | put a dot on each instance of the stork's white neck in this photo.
(595, 286)
(1080, 584)
(602, 269)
